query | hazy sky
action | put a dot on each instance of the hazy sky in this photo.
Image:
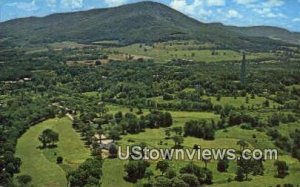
(282, 13)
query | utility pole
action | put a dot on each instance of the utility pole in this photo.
(243, 70)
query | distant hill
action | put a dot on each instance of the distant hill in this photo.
(139, 22)
(270, 32)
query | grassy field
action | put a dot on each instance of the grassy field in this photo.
(155, 138)
(113, 173)
(46, 172)
(164, 52)
(41, 164)
(257, 102)
(228, 139)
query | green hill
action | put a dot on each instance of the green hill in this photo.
(270, 32)
(139, 22)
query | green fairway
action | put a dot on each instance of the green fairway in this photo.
(113, 173)
(41, 164)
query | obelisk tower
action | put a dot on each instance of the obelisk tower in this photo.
(243, 70)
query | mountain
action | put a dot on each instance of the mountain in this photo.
(270, 32)
(139, 22)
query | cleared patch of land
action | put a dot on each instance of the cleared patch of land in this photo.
(113, 173)
(41, 164)
(164, 52)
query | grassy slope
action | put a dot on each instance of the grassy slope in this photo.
(257, 102)
(224, 139)
(113, 173)
(153, 137)
(164, 52)
(40, 164)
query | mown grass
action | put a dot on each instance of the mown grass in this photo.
(257, 102)
(164, 52)
(155, 138)
(41, 163)
(113, 173)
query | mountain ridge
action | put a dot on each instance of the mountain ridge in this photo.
(144, 22)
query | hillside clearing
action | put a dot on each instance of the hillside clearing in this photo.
(41, 164)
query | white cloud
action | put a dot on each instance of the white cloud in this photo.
(71, 3)
(29, 6)
(51, 3)
(112, 3)
(195, 9)
(273, 3)
(219, 10)
(265, 9)
(245, 2)
(216, 2)
(268, 13)
(233, 14)
(296, 20)
(183, 6)
(256, 3)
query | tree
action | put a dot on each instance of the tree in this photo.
(206, 161)
(118, 117)
(170, 173)
(168, 133)
(176, 182)
(274, 120)
(98, 63)
(191, 168)
(258, 167)
(23, 180)
(243, 144)
(48, 137)
(88, 173)
(240, 175)
(5, 178)
(190, 179)
(178, 141)
(282, 168)
(247, 99)
(177, 130)
(114, 134)
(223, 165)
(162, 165)
(296, 144)
(59, 160)
(208, 177)
(200, 129)
(148, 174)
(168, 120)
(218, 97)
(266, 103)
(136, 169)
(246, 165)
(124, 126)
(161, 181)
(113, 151)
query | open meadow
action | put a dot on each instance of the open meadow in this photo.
(41, 163)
